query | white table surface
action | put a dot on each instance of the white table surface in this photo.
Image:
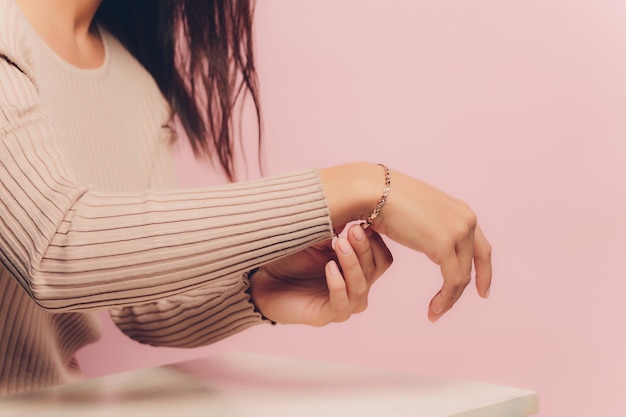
(247, 385)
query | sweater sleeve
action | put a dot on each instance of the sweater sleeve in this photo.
(75, 248)
(195, 318)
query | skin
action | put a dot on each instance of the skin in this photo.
(65, 26)
(420, 217)
(325, 283)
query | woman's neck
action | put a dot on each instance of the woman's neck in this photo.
(66, 27)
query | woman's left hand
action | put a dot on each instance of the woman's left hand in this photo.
(321, 285)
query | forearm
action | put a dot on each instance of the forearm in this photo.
(352, 190)
(114, 250)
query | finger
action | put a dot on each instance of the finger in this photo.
(482, 263)
(456, 269)
(362, 247)
(352, 272)
(337, 292)
(465, 255)
(455, 280)
(374, 255)
(381, 253)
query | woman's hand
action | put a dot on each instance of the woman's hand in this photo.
(445, 229)
(420, 217)
(320, 285)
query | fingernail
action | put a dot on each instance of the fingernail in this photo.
(487, 292)
(438, 310)
(358, 233)
(344, 245)
(333, 269)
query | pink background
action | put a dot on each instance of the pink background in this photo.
(517, 107)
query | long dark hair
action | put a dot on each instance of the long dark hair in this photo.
(200, 53)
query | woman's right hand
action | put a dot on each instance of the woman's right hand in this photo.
(420, 217)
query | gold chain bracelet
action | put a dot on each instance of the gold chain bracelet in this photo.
(379, 206)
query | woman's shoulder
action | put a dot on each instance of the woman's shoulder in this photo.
(15, 36)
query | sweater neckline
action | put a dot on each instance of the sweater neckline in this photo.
(73, 69)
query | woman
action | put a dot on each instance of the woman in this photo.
(90, 218)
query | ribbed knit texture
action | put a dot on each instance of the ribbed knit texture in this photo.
(89, 219)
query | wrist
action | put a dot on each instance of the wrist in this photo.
(352, 191)
(383, 199)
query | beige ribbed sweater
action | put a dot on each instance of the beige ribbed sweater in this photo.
(87, 221)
